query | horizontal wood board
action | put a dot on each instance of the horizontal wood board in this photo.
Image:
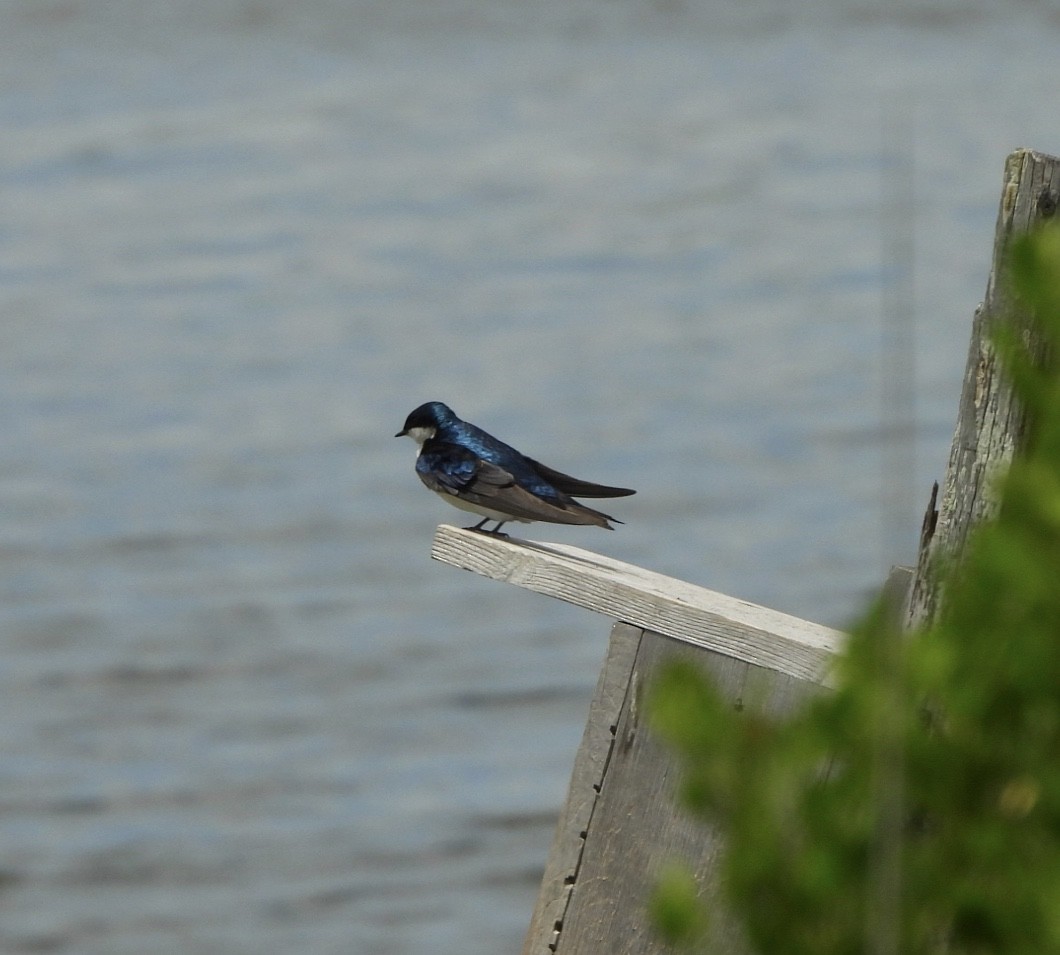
(643, 598)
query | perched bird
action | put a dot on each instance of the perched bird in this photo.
(474, 471)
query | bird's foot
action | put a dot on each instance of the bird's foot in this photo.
(494, 532)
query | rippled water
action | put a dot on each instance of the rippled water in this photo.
(242, 710)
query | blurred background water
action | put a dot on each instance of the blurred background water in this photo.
(240, 239)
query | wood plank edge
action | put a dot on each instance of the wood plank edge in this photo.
(810, 647)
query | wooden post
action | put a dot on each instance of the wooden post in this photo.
(599, 876)
(621, 822)
(989, 420)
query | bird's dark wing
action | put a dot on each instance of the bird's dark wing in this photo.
(446, 468)
(451, 469)
(574, 486)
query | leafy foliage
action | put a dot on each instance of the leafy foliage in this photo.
(915, 807)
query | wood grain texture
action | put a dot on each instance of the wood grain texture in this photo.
(640, 597)
(637, 826)
(590, 765)
(989, 420)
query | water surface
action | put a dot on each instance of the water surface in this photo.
(243, 710)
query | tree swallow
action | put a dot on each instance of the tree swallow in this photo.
(474, 471)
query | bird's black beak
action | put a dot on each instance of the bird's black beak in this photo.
(400, 434)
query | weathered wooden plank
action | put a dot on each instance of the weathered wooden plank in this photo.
(646, 599)
(590, 764)
(989, 420)
(637, 826)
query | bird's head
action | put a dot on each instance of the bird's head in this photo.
(423, 423)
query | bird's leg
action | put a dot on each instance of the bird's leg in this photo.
(493, 532)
